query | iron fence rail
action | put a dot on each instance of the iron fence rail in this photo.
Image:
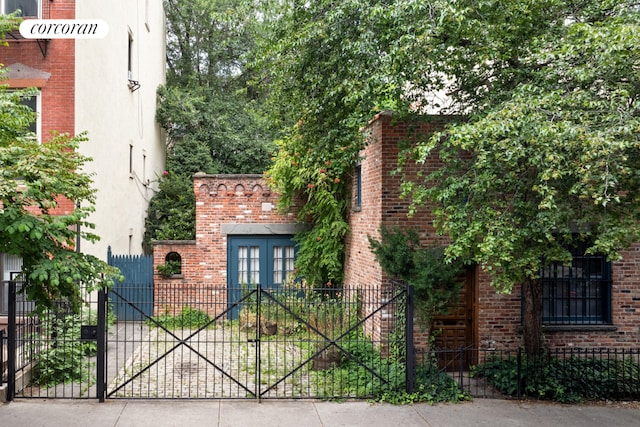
(198, 343)
(47, 354)
(351, 342)
(260, 343)
(3, 366)
(564, 374)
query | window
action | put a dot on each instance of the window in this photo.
(579, 294)
(131, 161)
(249, 265)
(130, 57)
(28, 8)
(10, 268)
(174, 261)
(283, 262)
(146, 15)
(132, 82)
(33, 102)
(144, 168)
(358, 198)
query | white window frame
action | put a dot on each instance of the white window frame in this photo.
(4, 9)
(38, 97)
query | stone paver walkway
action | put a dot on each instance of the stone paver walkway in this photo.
(212, 363)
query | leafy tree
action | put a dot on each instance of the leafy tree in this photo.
(550, 153)
(172, 210)
(211, 94)
(210, 107)
(548, 148)
(318, 60)
(34, 178)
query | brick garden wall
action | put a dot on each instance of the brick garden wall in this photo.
(224, 204)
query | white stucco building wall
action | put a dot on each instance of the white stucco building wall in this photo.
(125, 142)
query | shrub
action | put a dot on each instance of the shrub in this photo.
(436, 283)
(432, 386)
(567, 380)
(189, 318)
(65, 358)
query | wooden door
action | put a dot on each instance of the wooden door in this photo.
(455, 332)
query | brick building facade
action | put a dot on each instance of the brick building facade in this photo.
(483, 318)
(228, 206)
(50, 67)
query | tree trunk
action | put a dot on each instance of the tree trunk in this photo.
(532, 317)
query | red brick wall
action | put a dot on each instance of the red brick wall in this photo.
(499, 315)
(381, 203)
(498, 322)
(380, 197)
(220, 200)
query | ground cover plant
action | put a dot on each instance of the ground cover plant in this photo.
(189, 318)
(63, 357)
(564, 379)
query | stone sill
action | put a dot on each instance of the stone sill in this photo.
(579, 328)
(575, 328)
(173, 276)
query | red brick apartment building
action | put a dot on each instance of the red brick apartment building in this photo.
(596, 311)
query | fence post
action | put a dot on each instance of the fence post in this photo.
(2, 344)
(258, 338)
(11, 343)
(101, 356)
(460, 371)
(519, 373)
(409, 350)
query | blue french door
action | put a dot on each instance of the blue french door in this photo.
(253, 261)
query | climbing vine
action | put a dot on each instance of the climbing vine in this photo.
(315, 179)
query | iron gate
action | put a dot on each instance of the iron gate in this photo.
(53, 353)
(286, 343)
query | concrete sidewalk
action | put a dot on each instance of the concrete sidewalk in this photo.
(158, 413)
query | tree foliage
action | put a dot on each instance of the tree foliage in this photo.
(436, 283)
(172, 211)
(34, 179)
(550, 152)
(318, 61)
(548, 148)
(210, 107)
(211, 97)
